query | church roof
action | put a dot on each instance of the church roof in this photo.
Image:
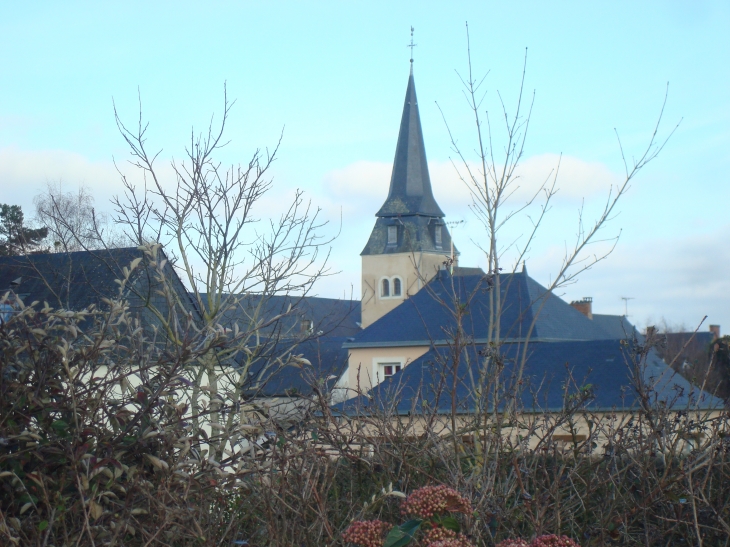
(414, 234)
(410, 185)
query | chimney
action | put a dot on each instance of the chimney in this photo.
(650, 331)
(584, 306)
(715, 330)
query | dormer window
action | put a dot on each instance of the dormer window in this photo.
(392, 235)
(389, 369)
(437, 236)
(385, 367)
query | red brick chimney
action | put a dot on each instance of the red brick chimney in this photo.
(715, 330)
(584, 306)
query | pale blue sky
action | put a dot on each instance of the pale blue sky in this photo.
(334, 74)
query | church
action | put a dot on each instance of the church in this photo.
(417, 301)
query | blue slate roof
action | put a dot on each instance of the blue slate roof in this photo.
(66, 280)
(76, 280)
(328, 361)
(333, 322)
(332, 317)
(410, 184)
(597, 375)
(617, 326)
(427, 317)
(414, 234)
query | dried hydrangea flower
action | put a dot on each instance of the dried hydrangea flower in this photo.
(367, 533)
(516, 542)
(551, 540)
(438, 536)
(433, 500)
(458, 541)
(437, 533)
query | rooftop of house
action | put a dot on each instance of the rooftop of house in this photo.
(428, 317)
(70, 280)
(313, 327)
(597, 374)
(327, 358)
(299, 316)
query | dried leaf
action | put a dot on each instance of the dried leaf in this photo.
(157, 462)
(95, 510)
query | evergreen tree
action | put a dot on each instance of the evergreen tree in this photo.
(15, 237)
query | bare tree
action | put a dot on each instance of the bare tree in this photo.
(492, 179)
(212, 224)
(72, 221)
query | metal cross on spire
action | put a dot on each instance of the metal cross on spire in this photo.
(412, 45)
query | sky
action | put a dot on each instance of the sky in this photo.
(332, 76)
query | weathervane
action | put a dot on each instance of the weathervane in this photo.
(412, 45)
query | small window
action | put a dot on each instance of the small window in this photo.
(396, 286)
(437, 236)
(392, 235)
(385, 288)
(389, 369)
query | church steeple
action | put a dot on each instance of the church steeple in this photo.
(410, 242)
(410, 185)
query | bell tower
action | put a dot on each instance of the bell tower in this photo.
(410, 240)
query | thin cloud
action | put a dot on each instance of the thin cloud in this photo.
(680, 279)
(366, 182)
(25, 173)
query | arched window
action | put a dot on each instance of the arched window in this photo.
(396, 286)
(385, 288)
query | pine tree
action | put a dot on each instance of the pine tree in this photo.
(15, 237)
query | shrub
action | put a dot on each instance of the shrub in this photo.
(94, 443)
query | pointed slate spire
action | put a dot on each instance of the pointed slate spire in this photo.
(410, 185)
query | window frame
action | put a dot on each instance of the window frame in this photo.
(391, 284)
(380, 362)
(396, 281)
(385, 287)
(392, 231)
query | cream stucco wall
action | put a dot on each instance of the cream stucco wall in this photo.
(414, 269)
(363, 370)
(530, 431)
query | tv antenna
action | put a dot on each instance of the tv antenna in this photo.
(626, 304)
(453, 224)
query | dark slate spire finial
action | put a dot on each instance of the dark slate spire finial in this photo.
(410, 191)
